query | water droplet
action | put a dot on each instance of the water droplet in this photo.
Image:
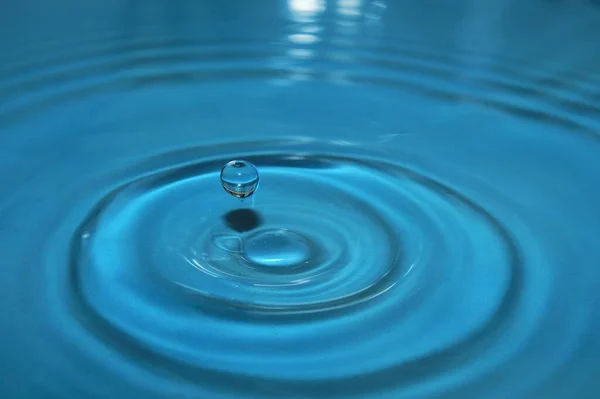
(239, 178)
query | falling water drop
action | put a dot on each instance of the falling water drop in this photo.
(239, 178)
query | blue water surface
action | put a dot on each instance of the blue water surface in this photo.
(426, 224)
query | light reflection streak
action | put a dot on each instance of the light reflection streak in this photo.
(350, 8)
(305, 10)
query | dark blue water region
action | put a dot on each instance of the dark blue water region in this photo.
(426, 223)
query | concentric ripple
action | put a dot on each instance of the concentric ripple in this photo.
(343, 231)
(333, 241)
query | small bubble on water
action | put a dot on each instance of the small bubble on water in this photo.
(239, 178)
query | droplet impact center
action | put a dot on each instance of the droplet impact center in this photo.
(278, 248)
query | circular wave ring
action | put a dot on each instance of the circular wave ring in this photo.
(163, 248)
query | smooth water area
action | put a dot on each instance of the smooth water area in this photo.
(426, 224)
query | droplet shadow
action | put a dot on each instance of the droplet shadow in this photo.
(243, 220)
